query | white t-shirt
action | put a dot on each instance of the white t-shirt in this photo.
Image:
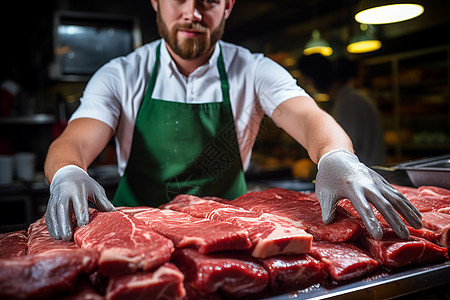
(257, 86)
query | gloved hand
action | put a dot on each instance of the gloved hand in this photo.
(70, 190)
(341, 175)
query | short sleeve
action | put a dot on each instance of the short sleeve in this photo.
(274, 85)
(100, 99)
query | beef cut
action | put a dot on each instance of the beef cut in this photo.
(39, 239)
(164, 283)
(43, 275)
(13, 244)
(344, 261)
(304, 212)
(438, 223)
(187, 231)
(393, 252)
(269, 235)
(427, 198)
(231, 273)
(294, 271)
(125, 244)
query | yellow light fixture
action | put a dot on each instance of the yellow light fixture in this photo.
(317, 45)
(364, 41)
(385, 12)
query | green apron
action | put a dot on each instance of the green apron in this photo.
(181, 148)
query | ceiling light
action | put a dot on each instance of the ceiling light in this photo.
(317, 45)
(385, 12)
(364, 41)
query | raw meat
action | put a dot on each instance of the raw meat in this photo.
(294, 271)
(13, 244)
(125, 244)
(269, 235)
(39, 239)
(43, 275)
(166, 282)
(394, 253)
(427, 198)
(344, 261)
(303, 212)
(439, 223)
(431, 198)
(232, 273)
(203, 234)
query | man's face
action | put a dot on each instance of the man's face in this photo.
(191, 27)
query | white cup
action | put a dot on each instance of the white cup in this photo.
(25, 165)
(6, 169)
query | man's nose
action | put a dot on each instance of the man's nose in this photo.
(192, 12)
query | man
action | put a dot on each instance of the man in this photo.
(354, 111)
(185, 111)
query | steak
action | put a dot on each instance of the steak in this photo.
(125, 244)
(294, 271)
(344, 261)
(233, 273)
(203, 234)
(43, 275)
(304, 212)
(431, 198)
(427, 198)
(39, 239)
(13, 244)
(439, 223)
(166, 282)
(269, 235)
(393, 252)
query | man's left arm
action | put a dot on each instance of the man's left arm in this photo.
(340, 173)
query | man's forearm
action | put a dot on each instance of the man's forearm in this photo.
(312, 127)
(61, 154)
(325, 135)
(79, 144)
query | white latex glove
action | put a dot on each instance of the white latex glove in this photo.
(341, 175)
(70, 190)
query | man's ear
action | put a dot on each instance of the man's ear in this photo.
(228, 7)
(154, 4)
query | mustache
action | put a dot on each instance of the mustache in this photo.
(192, 26)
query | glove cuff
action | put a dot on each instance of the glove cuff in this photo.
(333, 152)
(65, 169)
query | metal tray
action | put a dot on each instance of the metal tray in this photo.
(380, 286)
(429, 171)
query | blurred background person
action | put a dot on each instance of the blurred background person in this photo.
(353, 110)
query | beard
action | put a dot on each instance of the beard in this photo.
(190, 48)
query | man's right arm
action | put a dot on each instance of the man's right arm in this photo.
(79, 144)
(66, 170)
